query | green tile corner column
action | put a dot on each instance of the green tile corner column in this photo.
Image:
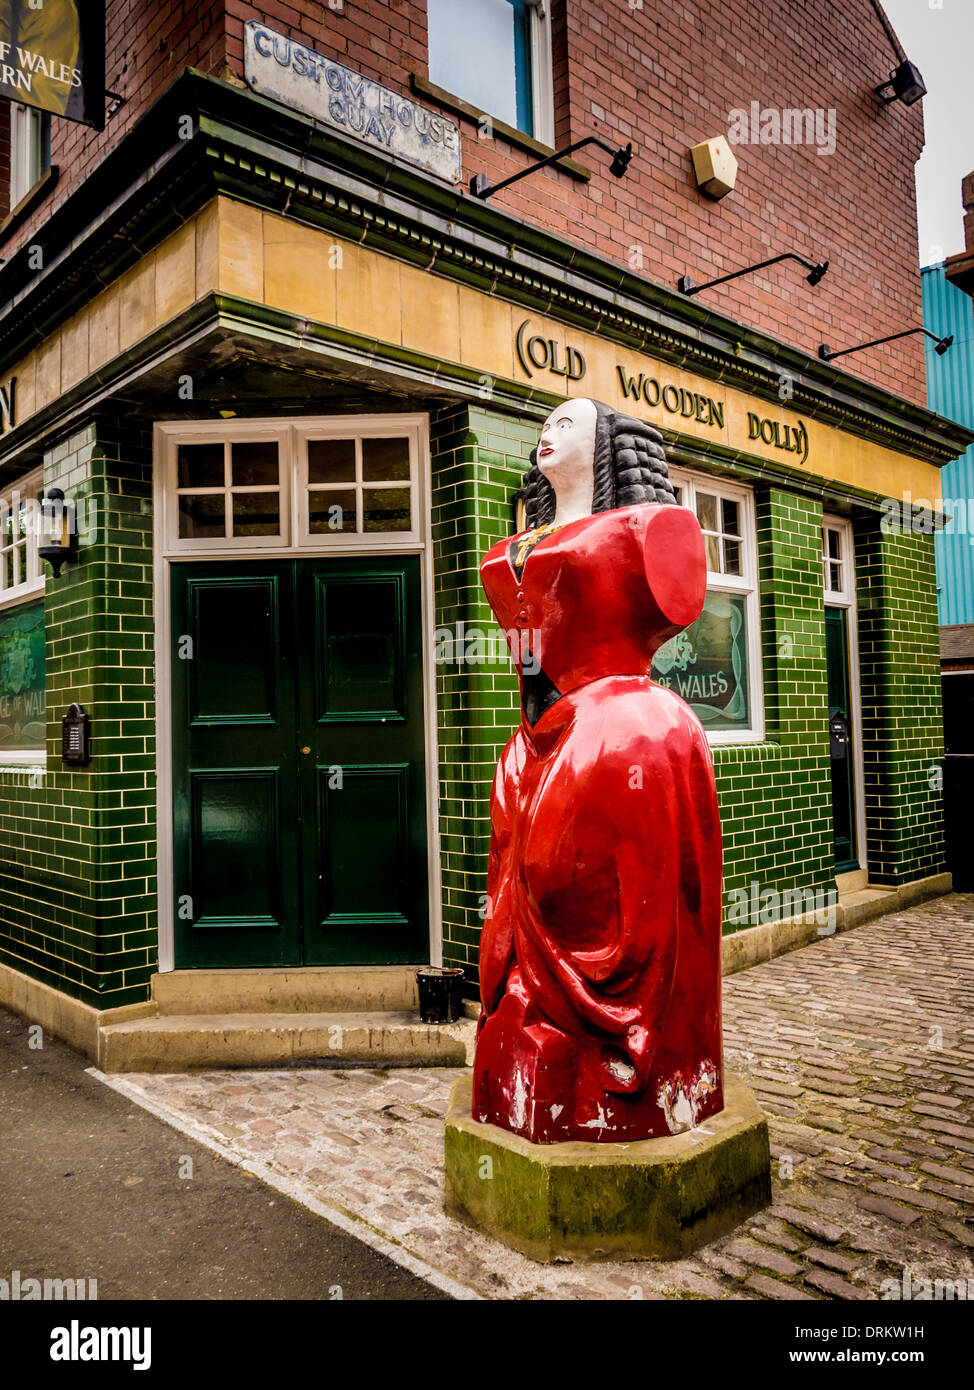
(899, 659)
(479, 457)
(77, 857)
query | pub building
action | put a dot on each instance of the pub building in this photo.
(271, 377)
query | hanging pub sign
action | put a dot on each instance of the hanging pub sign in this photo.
(283, 70)
(52, 56)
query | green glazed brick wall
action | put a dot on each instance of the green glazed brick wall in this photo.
(478, 459)
(775, 797)
(899, 657)
(77, 848)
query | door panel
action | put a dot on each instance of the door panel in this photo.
(365, 848)
(840, 739)
(299, 787)
(360, 624)
(231, 680)
(235, 866)
(235, 781)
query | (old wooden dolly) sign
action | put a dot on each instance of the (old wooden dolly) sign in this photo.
(277, 67)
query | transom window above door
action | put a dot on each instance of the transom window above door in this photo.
(325, 484)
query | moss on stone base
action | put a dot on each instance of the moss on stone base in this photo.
(655, 1199)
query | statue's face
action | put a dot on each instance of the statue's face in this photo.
(566, 449)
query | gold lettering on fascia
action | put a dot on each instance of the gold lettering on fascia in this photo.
(675, 400)
(538, 353)
(790, 439)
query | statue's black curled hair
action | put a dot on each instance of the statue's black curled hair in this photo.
(630, 469)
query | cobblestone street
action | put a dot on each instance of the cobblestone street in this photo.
(859, 1047)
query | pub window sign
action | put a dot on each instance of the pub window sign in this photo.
(52, 56)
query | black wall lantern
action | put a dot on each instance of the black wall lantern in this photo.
(57, 526)
(905, 83)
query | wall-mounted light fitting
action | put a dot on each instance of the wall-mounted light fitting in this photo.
(941, 345)
(58, 530)
(815, 273)
(905, 84)
(481, 186)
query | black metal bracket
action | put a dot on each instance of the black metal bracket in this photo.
(942, 344)
(816, 273)
(481, 186)
(115, 102)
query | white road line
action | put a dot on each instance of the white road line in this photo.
(291, 1189)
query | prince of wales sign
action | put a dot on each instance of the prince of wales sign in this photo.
(52, 56)
(285, 71)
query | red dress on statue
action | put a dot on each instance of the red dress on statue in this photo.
(600, 957)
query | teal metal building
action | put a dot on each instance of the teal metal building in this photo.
(950, 392)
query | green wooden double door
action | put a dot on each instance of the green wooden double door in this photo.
(299, 786)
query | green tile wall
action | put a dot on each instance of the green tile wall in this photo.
(77, 850)
(903, 745)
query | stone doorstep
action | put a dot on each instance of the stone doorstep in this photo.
(321, 989)
(185, 1042)
(740, 950)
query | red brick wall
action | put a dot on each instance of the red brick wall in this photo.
(666, 76)
(147, 43)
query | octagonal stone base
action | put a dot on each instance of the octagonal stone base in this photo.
(656, 1199)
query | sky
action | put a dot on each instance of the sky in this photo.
(938, 36)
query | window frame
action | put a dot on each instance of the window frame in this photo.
(292, 437)
(28, 485)
(30, 590)
(539, 71)
(746, 584)
(846, 596)
(29, 128)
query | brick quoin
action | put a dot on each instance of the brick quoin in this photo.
(666, 77)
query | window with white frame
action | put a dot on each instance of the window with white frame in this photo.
(838, 565)
(21, 571)
(343, 482)
(496, 54)
(30, 149)
(715, 665)
(22, 688)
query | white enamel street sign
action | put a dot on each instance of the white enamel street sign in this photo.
(283, 70)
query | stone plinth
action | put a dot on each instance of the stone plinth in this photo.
(655, 1199)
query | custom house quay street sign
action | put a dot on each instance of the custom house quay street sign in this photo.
(277, 67)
